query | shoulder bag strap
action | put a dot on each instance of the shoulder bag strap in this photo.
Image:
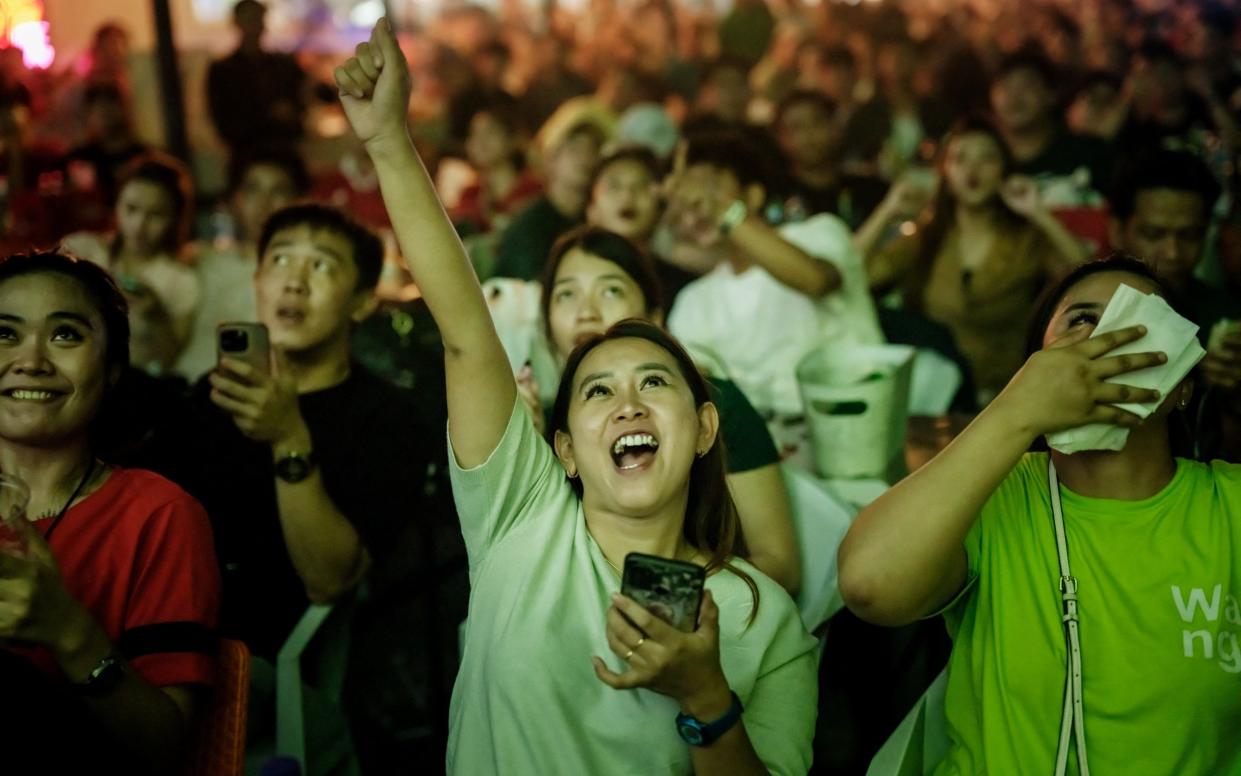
(1072, 720)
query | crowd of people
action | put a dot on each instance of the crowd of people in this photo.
(544, 309)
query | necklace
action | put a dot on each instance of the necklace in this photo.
(90, 470)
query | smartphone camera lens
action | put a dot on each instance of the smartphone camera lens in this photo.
(234, 341)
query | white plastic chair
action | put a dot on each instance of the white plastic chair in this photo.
(820, 521)
(933, 384)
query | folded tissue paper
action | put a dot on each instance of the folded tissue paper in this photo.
(1166, 332)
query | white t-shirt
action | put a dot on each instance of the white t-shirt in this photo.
(226, 279)
(759, 328)
(527, 699)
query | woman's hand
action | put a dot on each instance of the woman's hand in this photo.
(683, 666)
(1021, 194)
(35, 607)
(1064, 385)
(907, 197)
(374, 88)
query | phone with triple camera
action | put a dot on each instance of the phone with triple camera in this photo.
(246, 342)
(669, 589)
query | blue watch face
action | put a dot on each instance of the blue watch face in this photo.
(691, 732)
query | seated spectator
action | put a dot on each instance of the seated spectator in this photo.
(809, 133)
(768, 301)
(568, 519)
(504, 186)
(108, 582)
(110, 142)
(144, 254)
(725, 92)
(1153, 540)
(979, 258)
(568, 157)
(309, 489)
(1162, 210)
(260, 183)
(1100, 107)
(33, 173)
(1070, 170)
(595, 279)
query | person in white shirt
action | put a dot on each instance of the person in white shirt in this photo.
(774, 295)
(560, 674)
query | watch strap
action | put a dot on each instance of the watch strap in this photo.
(695, 732)
(105, 676)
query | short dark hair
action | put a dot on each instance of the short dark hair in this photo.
(1029, 58)
(285, 159)
(631, 153)
(752, 160)
(804, 97)
(1163, 169)
(620, 250)
(170, 174)
(368, 249)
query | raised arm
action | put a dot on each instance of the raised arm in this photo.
(905, 557)
(374, 89)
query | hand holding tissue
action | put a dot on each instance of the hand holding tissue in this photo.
(1167, 332)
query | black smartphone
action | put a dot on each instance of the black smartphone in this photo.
(246, 342)
(669, 589)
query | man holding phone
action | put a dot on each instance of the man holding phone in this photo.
(318, 471)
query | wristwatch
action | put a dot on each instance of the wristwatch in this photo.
(105, 676)
(695, 732)
(295, 467)
(733, 215)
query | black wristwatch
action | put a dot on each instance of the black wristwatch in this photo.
(695, 732)
(295, 467)
(104, 678)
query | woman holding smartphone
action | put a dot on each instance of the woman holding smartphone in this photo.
(637, 467)
(1153, 549)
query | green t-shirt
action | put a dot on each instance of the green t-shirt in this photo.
(527, 699)
(1159, 581)
(747, 442)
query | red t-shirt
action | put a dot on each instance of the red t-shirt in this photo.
(138, 554)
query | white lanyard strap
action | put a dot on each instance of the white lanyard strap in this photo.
(1073, 717)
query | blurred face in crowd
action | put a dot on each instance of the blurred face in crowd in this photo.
(973, 168)
(1158, 89)
(490, 143)
(145, 217)
(697, 202)
(1021, 100)
(807, 135)
(895, 65)
(250, 19)
(105, 117)
(306, 285)
(1167, 229)
(590, 294)
(625, 200)
(571, 162)
(53, 345)
(727, 94)
(264, 189)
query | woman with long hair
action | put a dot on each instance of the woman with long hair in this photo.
(980, 255)
(637, 466)
(594, 279)
(144, 254)
(1092, 596)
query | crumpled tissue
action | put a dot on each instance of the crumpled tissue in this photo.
(1166, 331)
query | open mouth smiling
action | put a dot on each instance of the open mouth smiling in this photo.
(634, 451)
(32, 394)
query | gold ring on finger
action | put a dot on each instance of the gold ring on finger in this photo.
(628, 655)
(636, 647)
